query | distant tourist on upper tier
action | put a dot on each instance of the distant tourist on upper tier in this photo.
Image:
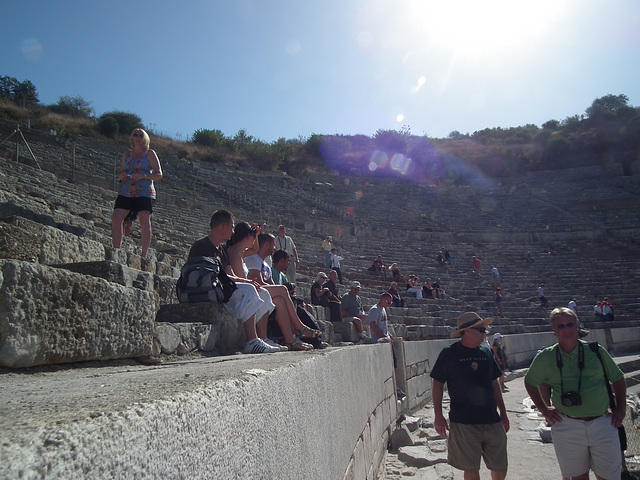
(326, 248)
(413, 286)
(335, 263)
(138, 169)
(284, 242)
(541, 297)
(377, 265)
(477, 266)
(398, 301)
(395, 271)
(495, 276)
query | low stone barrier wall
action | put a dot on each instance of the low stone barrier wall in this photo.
(290, 415)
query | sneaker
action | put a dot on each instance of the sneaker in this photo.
(367, 340)
(271, 343)
(258, 346)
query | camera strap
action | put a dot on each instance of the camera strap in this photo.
(580, 365)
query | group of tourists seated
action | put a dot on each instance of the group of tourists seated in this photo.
(603, 311)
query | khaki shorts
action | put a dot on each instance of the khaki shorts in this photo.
(582, 446)
(469, 443)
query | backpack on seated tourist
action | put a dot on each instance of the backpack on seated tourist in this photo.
(203, 280)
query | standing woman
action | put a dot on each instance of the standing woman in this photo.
(139, 168)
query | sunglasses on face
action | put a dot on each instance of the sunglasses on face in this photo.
(562, 326)
(480, 329)
(138, 135)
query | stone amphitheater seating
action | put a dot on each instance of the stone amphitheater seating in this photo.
(58, 220)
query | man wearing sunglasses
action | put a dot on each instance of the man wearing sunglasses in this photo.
(476, 429)
(584, 430)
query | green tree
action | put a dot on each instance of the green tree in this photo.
(609, 104)
(7, 87)
(22, 93)
(551, 125)
(209, 138)
(126, 121)
(108, 126)
(74, 106)
(241, 140)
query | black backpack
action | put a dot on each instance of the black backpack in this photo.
(203, 280)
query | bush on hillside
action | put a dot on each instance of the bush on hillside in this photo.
(209, 138)
(74, 106)
(108, 126)
(127, 121)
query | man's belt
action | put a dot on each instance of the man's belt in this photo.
(584, 419)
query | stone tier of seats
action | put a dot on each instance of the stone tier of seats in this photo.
(590, 220)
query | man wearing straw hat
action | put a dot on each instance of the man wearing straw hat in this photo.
(476, 429)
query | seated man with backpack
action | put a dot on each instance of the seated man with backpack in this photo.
(241, 296)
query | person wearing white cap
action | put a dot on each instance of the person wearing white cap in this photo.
(478, 422)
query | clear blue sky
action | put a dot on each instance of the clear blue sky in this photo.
(290, 68)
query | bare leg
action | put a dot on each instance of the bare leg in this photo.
(261, 326)
(283, 319)
(473, 475)
(117, 218)
(250, 328)
(497, 475)
(145, 228)
(280, 291)
(358, 324)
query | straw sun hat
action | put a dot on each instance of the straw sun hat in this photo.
(469, 320)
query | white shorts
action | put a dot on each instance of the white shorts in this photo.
(582, 445)
(267, 306)
(245, 302)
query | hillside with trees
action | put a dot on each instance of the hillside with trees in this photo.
(608, 131)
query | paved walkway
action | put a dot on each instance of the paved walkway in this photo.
(529, 457)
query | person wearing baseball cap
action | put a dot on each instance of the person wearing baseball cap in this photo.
(478, 422)
(352, 309)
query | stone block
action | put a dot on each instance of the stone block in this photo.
(347, 331)
(168, 337)
(23, 239)
(421, 456)
(401, 437)
(49, 315)
(227, 332)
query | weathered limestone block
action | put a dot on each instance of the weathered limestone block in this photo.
(347, 331)
(164, 287)
(30, 241)
(49, 315)
(227, 333)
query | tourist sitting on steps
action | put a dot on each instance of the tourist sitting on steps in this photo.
(352, 310)
(397, 300)
(286, 315)
(321, 295)
(413, 286)
(245, 301)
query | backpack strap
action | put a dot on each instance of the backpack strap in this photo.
(594, 348)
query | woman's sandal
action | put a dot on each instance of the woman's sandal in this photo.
(299, 346)
(310, 332)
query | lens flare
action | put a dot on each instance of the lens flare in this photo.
(378, 160)
(400, 163)
(31, 49)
